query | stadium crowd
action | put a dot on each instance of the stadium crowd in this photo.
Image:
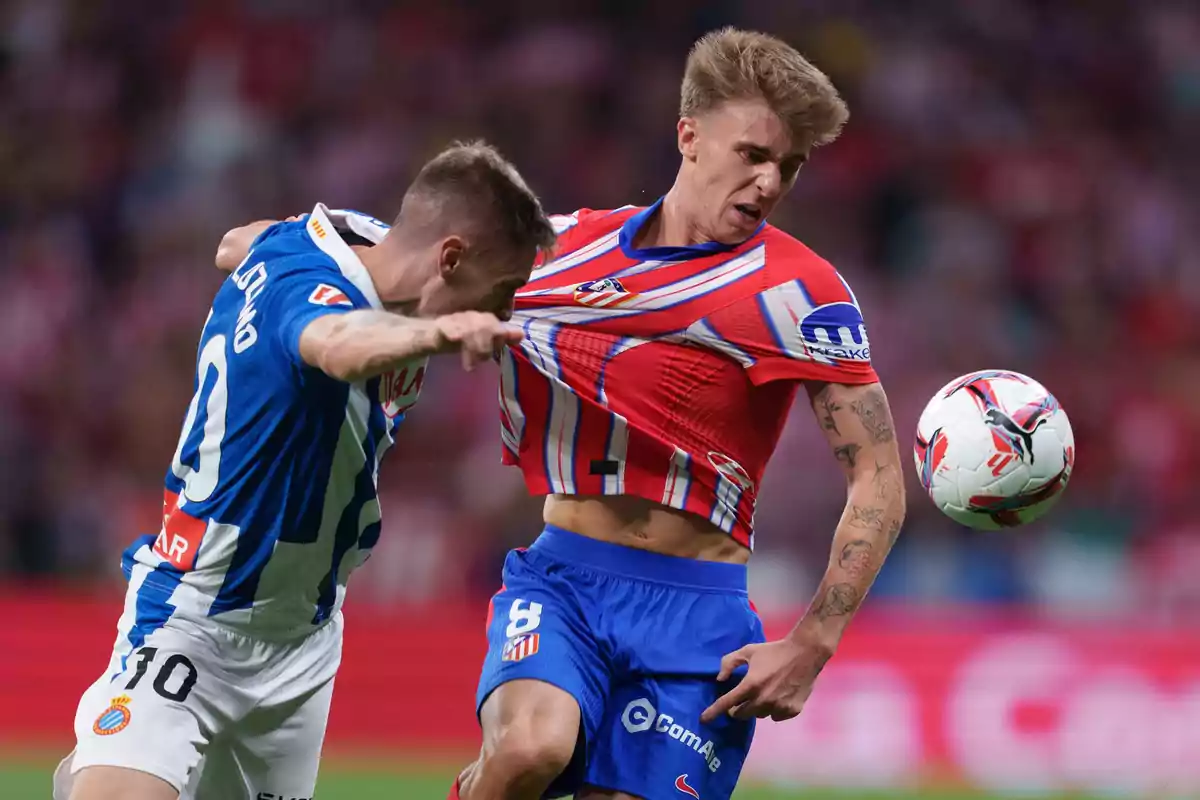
(1016, 189)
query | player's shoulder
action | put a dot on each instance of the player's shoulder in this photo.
(587, 225)
(286, 248)
(788, 260)
(286, 266)
(591, 218)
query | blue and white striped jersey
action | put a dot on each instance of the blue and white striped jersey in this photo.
(270, 501)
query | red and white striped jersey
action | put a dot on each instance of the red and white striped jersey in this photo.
(668, 372)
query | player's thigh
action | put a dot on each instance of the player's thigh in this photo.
(274, 750)
(531, 711)
(155, 713)
(117, 783)
(544, 683)
(277, 750)
(652, 744)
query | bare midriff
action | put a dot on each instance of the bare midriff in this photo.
(643, 524)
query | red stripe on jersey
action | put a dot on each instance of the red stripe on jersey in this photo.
(681, 403)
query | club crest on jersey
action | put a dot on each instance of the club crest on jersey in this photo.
(734, 472)
(603, 292)
(115, 718)
(520, 647)
(326, 295)
(836, 331)
(399, 389)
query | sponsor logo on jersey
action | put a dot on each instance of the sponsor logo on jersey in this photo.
(113, 719)
(732, 470)
(836, 331)
(179, 540)
(603, 292)
(681, 784)
(640, 716)
(326, 295)
(400, 388)
(520, 647)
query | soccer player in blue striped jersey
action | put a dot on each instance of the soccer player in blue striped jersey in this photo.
(220, 680)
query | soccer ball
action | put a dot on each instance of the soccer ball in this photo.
(994, 449)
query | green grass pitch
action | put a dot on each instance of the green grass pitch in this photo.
(30, 780)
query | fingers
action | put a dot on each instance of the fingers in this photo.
(732, 661)
(477, 335)
(731, 699)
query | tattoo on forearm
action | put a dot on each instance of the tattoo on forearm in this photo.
(855, 558)
(848, 454)
(868, 518)
(837, 601)
(885, 480)
(872, 411)
(828, 406)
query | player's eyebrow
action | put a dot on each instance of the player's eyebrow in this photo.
(756, 149)
(766, 152)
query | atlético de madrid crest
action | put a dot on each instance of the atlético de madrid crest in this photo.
(603, 292)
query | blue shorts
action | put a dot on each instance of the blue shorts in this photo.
(637, 639)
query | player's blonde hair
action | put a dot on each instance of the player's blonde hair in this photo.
(733, 64)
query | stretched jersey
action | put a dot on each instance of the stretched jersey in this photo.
(668, 372)
(270, 501)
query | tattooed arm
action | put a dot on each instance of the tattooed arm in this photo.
(858, 424)
(780, 674)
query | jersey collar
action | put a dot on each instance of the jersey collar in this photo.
(322, 227)
(633, 225)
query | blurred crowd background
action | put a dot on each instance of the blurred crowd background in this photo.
(1017, 188)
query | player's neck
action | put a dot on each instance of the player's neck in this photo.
(672, 226)
(387, 279)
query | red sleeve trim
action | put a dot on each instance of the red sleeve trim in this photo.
(777, 369)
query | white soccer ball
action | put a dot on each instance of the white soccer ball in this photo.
(994, 449)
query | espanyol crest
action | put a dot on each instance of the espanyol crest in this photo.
(836, 331)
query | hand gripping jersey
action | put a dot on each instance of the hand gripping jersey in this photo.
(668, 372)
(270, 499)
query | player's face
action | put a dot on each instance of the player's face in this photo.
(743, 163)
(483, 282)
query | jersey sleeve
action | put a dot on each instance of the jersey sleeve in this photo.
(796, 331)
(296, 297)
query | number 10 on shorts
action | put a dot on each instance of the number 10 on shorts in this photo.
(523, 619)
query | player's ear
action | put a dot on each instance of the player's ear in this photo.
(450, 255)
(686, 130)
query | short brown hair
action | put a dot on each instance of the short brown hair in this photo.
(471, 182)
(732, 64)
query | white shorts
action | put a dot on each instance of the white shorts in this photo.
(218, 715)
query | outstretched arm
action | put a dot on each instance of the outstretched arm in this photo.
(857, 422)
(362, 344)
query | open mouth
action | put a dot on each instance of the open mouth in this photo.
(749, 213)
